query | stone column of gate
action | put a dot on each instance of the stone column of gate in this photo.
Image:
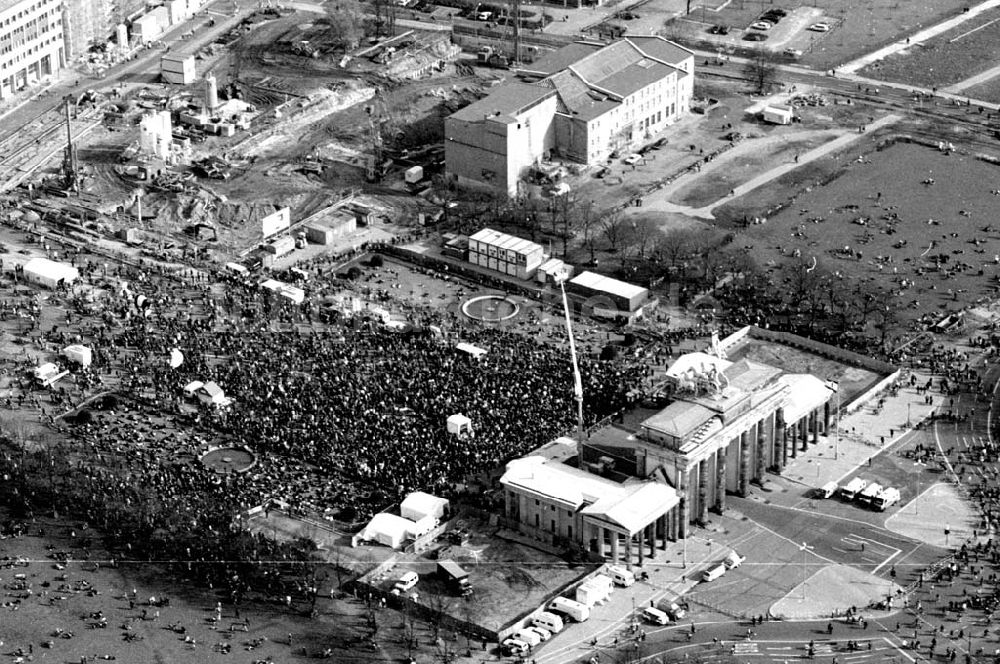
(744, 463)
(761, 448)
(782, 439)
(720, 479)
(703, 490)
(682, 516)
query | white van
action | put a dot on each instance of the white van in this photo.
(655, 616)
(528, 636)
(713, 573)
(621, 576)
(827, 490)
(575, 610)
(548, 621)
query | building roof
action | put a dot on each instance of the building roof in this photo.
(559, 59)
(506, 241)
(748, 375)
(679, 419)
(576, 98)
(504, 103)
(631, 505)
(419, 502)
(599, 282)
(395, 527)
(634, 506)
(657, 47)
(806, 393)
(556, 481)
(51, 269)
(635, 76)
(607, 62)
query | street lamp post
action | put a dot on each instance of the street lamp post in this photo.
(804, 548)
(916, 499)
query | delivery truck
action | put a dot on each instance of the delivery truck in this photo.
(456, 577)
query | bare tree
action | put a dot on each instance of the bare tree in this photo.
(762, 70)
(347, 23)
(588, 223)
(615, 229)
(440, 606)
(645, 232)
(675, 245)
(409, 628)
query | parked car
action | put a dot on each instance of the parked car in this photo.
(632, 159)
(778, 12)
(542, 633)
(514, 647)
(602, 172)
(719, 30)
(761, 25)
(754, 36)
(792, 52)
(406, 582)
(820, 27)
(770, 18)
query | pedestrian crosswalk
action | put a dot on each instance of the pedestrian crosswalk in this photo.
(745, 648)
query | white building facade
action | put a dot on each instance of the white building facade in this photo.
(31, 43)
(580, 103)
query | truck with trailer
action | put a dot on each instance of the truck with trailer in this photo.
(456, 577)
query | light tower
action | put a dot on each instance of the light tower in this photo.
(577, 381)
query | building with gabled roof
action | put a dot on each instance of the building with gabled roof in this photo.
(580, 104)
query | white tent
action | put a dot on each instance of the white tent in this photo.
(50, 274)
(473, 351)
(388, 529)
(192, 388)
(459, 424)
(293, 293)
(211, 394)
(418, 504)
(79, 354)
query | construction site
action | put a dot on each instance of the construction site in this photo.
(188, 150)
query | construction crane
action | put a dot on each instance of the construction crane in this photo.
(508, 51)
(70, 166)
(376, 157)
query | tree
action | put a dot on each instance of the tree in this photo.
(675, 245)
(589, 226)
(646, 231)
(615, 229)
(762, 70)
(347, 23)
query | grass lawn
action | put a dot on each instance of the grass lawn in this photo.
(858, 27)
(951, 57)
(941, 250)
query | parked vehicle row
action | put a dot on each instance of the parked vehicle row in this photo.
(873, 495)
